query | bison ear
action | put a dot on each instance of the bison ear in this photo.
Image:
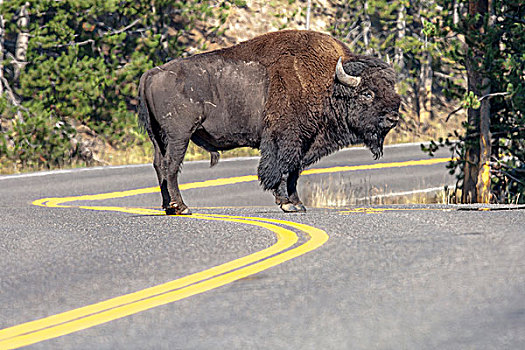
(345, 78)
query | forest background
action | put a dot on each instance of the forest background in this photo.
(69, 71)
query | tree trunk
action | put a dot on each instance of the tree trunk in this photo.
(476, 185)
(455, 13)
(471, 170)
(424, 95)
(485, 146)
(425, 90)
(308, 13)
(22, 40)
(401, 32)
(483, 181)
(366, 28)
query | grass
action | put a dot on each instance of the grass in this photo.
(335, 193)
(138, 154)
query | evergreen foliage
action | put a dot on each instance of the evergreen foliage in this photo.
(499, 49)
(81, 65)
(430, 44)
(84, 59)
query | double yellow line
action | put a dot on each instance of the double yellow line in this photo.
(121, 306)
(108, 310)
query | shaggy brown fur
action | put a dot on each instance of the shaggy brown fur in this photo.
(277, 92)
(300, 67)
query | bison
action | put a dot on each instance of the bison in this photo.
(295, 95)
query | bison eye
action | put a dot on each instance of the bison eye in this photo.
(368, 95)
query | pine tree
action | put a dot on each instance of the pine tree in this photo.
(491, 153)
(75, 64)
(403, 32)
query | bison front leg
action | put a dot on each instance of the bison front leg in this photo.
(282, 197)
(291, 186)
(173, 159)
(273, 174)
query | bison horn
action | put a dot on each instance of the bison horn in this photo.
(345, 78)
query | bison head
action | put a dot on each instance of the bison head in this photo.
(364, 97)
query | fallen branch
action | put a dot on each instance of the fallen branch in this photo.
(13, 59)
(511, 176)
(123, 29)
(452, 113)
(10, 93)
(12, 98)
(80, 43)
(444, 76)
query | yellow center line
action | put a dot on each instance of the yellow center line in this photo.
(121, 306)
(55, 202)
(339, 169)
(108, 310)
(367, 210)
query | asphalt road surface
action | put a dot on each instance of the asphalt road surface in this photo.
(88, 261)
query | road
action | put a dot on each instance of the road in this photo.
(107, 271)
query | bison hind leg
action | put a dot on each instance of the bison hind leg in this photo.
(175, 151)
(162, 176)
(214, 158)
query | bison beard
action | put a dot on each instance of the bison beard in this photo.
(296, 95)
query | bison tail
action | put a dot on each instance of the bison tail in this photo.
(147, 119)
(214, 158)
(144, 117)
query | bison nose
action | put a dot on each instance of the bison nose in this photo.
(391, 120)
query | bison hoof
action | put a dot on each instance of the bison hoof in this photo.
(186, 211)
(170, 211)
(290, 208)
(300, 207)
(175, 210)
